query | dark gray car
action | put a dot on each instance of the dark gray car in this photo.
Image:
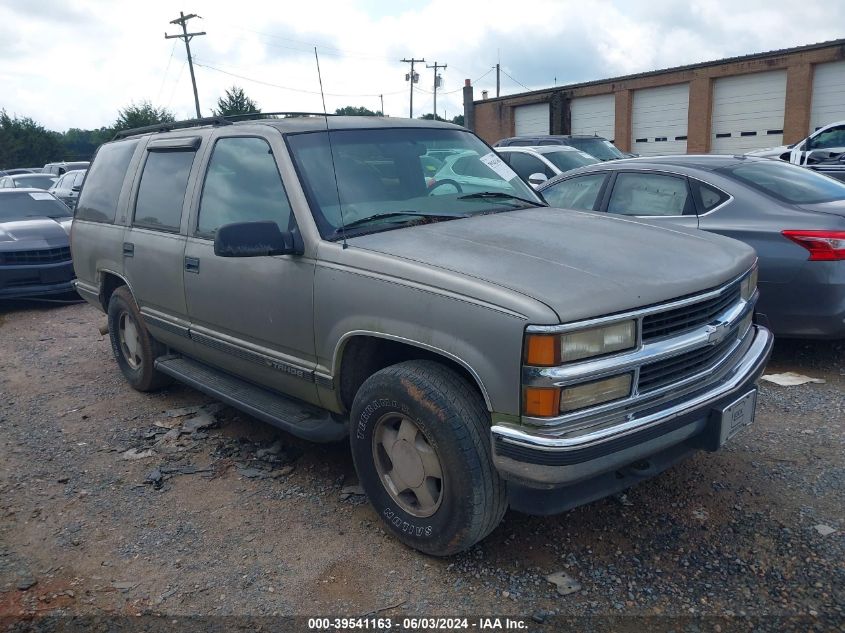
(793, 217)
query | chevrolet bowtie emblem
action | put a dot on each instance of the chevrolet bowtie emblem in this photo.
(717, 333)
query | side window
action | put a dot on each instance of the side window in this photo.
(710, 197)
(242, 184)
(526, 164)
(576, 193)
(98, 203)
(648, 195)
(3, 182)
(162, 190)
(834, 137)
(61, 184)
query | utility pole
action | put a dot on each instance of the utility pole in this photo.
(413, 78)
(436, 84)
(382, 104)
(182, 20)
(497, 80)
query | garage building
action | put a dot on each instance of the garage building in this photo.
(726, 106)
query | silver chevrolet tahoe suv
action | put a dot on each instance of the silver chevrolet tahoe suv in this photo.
(480, 350)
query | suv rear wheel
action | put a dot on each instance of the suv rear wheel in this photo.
(420, 442)
(134, 348)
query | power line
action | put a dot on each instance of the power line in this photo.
(512, 79)
(302, 90)
(176, 85)
(166, 70)
(182, 20)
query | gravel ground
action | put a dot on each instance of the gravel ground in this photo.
(117, 503)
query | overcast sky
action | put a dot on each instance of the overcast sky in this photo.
(75, 63)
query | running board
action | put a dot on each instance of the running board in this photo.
(295, 417)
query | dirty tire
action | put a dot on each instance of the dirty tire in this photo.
(453, 420)
(139, 370)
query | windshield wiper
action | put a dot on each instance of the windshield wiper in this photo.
(481, 195)
(393, 214)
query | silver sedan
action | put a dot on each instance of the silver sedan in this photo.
(794, 218)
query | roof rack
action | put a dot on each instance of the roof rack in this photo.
(213, 120)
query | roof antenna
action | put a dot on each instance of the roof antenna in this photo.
(331, 151)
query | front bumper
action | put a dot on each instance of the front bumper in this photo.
(36, 280)
(529, 458)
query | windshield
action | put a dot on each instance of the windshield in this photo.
(566, 160)
(37, 181)
(404, 176)
(786, 182)
(598, 147)
(16, 205)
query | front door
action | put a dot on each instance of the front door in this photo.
(251, 316)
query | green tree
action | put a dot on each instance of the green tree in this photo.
(235, 101)
(357, 111)
(431, 117)
(81, 144)
(25, 143)
(144, 113)
(458, 120)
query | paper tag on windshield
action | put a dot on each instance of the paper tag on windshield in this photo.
(495, 163)
(41, 195)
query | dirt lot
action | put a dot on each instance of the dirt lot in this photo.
(111, 502)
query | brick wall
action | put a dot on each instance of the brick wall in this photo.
(494, 118)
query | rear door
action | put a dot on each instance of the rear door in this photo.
(154, 242)
(662, 197)
(251, 316)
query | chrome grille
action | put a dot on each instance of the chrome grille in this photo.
(690, 316)
(44, 256)
(677, 368)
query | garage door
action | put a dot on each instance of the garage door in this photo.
(532, 119)
(593, 115)
(748, 112)
(828, 95)
(659, 120)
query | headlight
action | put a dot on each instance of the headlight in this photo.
(749, 284)
(548, 350)
(594, 393)
(549, 402)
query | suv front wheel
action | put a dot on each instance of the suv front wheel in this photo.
(135, 350)
(420, 437)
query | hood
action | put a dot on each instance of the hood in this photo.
(768, 152)
(580, 264)
(34, 233)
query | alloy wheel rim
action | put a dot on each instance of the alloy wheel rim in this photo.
(130, 340)
(408, 465)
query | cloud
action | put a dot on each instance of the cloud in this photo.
(75, 64)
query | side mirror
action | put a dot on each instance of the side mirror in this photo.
(76, 188)
(537, 179)
(254, 239)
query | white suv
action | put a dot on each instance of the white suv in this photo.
(538, 164)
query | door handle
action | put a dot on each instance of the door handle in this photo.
(192, 265)
(128, 249)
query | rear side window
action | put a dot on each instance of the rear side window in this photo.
(105, 179)
(242, 184)
(526, 165)
(162, 190)
(576, 193)
(710, 197)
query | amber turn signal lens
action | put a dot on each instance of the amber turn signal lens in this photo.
(540, 403)
(542, 350)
